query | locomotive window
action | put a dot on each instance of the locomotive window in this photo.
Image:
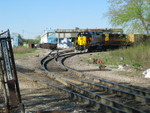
(103, 36)
(97, 33)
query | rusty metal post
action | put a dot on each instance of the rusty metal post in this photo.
(9, 75)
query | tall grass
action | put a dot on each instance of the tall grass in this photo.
(137, 56)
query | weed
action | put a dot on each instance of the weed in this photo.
(136, 65)
(135, 56)
(22, 50)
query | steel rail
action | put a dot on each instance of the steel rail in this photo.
(88, 93)
(58, 76)
(106, 100)
(132, 95)
(52, 53)
(114, 84)
(102, 98)
(99, 106)
(97, 96)
(84, 91)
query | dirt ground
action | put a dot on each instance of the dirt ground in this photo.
(36, 96)
(124, 76)
(77, 62)
(30, 90)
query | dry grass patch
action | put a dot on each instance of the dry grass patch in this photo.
(22, 50)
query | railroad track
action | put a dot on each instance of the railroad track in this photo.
(40, 76)
(57, 99)
(99, 94)
(110, 93)
(75, 97)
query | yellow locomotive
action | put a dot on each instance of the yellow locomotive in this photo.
(97, 41)
(82, 42)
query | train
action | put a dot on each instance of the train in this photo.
(88, 41)
(95, 41)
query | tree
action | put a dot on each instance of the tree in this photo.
(134, 15)
(31, 41)
(38, 37)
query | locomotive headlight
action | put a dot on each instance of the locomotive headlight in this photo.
(106, 37)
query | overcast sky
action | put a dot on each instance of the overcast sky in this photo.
(31, 17)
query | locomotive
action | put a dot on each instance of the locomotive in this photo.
(82, 42)
(91, 41)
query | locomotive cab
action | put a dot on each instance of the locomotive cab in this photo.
(82, 41)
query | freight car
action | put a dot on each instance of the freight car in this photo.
(51, 46)
(91, 41)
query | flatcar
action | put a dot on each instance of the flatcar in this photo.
(51, 46)
(91, 41)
